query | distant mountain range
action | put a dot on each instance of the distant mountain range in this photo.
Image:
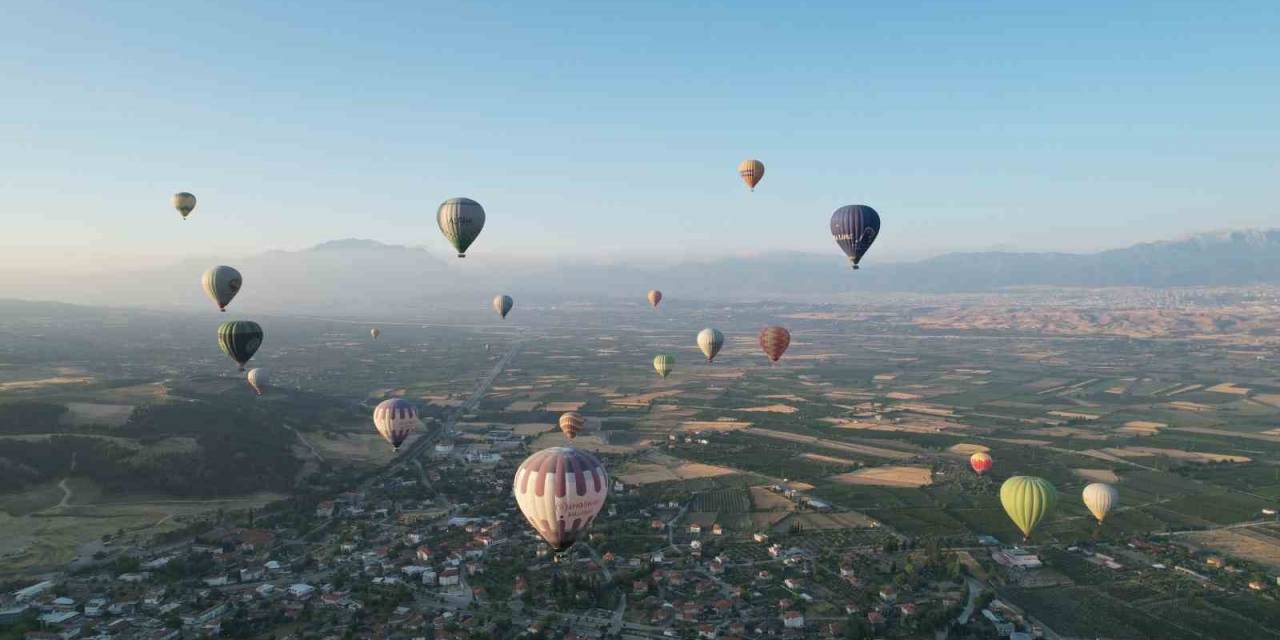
(368, 277)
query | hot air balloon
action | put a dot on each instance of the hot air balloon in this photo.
(751, 171)
(1027, 500)
(375, 332)
(774, 340)
(981, 462)
(184, 203)
(1100, 498)
(460, 220)
(560, 490)
(503, 304)
(258, 379)
(855, 227)
(655, 297)
(221, 284)
(571, 423)
(710, 341)
(240, 339)
(396, 419)
(663, 364)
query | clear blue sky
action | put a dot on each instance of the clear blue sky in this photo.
(593, 129)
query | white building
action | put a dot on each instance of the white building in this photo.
(301, 591)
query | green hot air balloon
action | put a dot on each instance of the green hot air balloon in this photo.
(240, 339)
(1027, 500)
(663, 364)
(460, 220)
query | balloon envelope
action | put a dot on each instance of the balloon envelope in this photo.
(655, 297)
(259, 380)
(240, 339)
(774, 341)
(571, 423)
(375, 332)
(663, 364)
(221, 284)
(751, 171)
(980, 462)
(460, 220)
(855, 227)
(503, 304)
(184, 203)
(560, 490)
(710, 341)
(1100, 498)
(1027, 500)
(396, 419)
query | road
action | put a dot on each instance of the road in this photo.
(419, 445)
(975, 588)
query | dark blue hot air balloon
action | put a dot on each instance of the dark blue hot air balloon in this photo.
(855, 227)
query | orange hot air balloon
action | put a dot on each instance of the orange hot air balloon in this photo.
(981, 462)
(571, 423)
(655, 297)
(752, 171)
(774, 341)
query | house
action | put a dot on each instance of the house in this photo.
(250, 575)
(325, 509)
(656, 524)
(26, 594)
(639, 587)
(521, 586)
(793, 619)
(450, 577)
(1016, 558)
(301, 591)
(695, 529)
(424, 554)
(875, 618)
(429, 577)
(707, 632)
(888, 594)
(907, 608)
(791, 583)
(717, 530)
(760, 537)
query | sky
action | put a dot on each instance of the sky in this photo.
(613, 130)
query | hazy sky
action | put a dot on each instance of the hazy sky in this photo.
(615, 128)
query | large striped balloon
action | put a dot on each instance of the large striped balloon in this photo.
(460, 220)
(710, 341)
(240, 339)
(663, 363)
(752, 171)
(774, 341)
(502, 304)
(184, 203)
(560, 490)
(855, 227)
(396, 419)
(221, 284)
(1027, 500)
(571, 423)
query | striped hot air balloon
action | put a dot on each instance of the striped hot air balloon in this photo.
(571, 423)
(560, 490)
(710, 342)
(396, 419)
(1027, 500)
(221, 284)
(752, 171)
(663, 363)
(460, 220)
(240, 339)
(774, 340)
(980, 462)
(655, 297)
(1100, 498)
(259, 380)
(184, 203)
(855, 227)
(502, 304)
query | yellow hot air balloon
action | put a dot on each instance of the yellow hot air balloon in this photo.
(1100, 498)
(752, 171)
(1027, 500)
(663, 364)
